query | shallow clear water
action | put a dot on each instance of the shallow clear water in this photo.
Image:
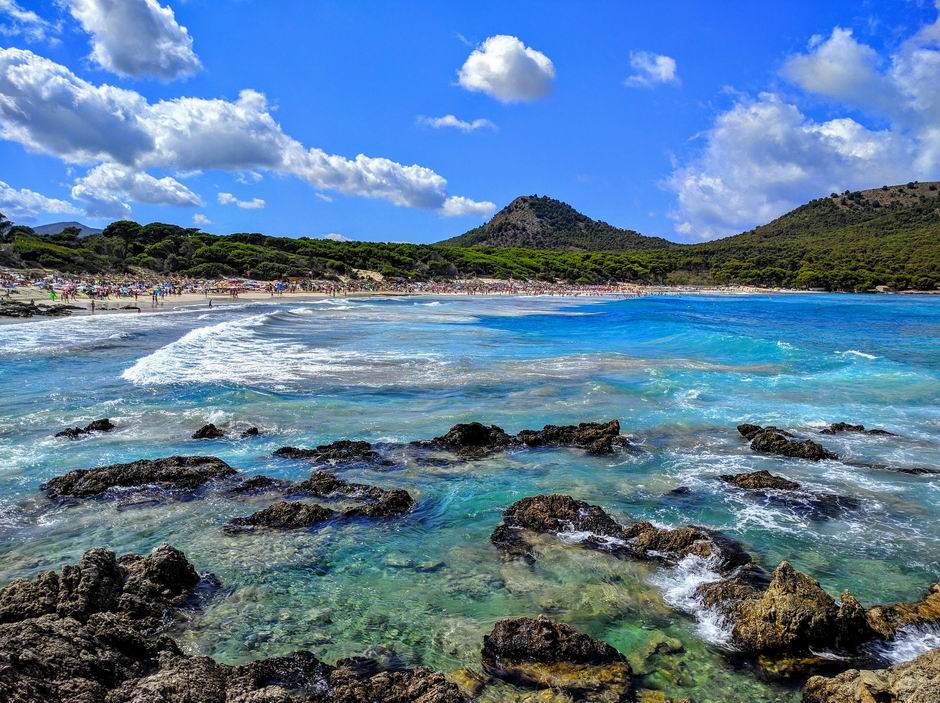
(679, 372)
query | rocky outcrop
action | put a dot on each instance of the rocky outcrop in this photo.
(209, 431)
(261, 484)
(887, 620)
(541, 653)
(286, 515)
(375, 502)
(760, 480)
(591, 527)
(250, 432)
(175, 472)
(91, 634)
(595, 437)
(837, 427)
(341, 451)
(16, 308)
(103, 425)
(472, 440)
(770, 440)
(916, 681)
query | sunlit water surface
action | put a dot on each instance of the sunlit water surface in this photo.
(679, 372)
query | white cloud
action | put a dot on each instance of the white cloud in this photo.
(136, 38)
(27, 24)
(48, 109)
(229, 199)
(455, 122)
(324, 197)
(336, 237)
(249, 177)
(765, 156)
(457, 206)
(27, 204)
(107, 187)
(651, 69)
(201, 220)
(505, 68)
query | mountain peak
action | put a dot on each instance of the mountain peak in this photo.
(541, 222)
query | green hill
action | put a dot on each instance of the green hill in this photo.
(539, 222)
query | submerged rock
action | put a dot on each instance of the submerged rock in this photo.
(340, 451)
(209, 431)
(542, 653)
(591, 527)
(596, 437)
(916, 681)
(286, 515)
(175, 472)
(770, 440)
(260, 484)
(250, 432)
(759, 480)
(837, 427)
(103, 425)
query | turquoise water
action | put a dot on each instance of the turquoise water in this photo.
(679, 372)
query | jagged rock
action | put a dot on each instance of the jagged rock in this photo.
(286, 515)
(209, 431)
(103, 425)
(916, 681)
(596, 437)
(886, 620)
(472, 440)
(16, 308)
(324, 484)
(542, 653)
(837, 427)
(394, 502)
(340, 451)
(595, 529)
(759, 480)
(418, 685)
(770, 440)
(182, 472)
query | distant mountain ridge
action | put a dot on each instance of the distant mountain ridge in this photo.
(540, 222)
(56, 227)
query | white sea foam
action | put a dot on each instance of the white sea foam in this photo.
(910, 643)
(856, 352)
(679, 585)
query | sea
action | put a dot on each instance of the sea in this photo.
(678, 372)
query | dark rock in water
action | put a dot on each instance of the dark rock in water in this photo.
(418, 685)
(323, 484)
(287, 515)
(758, 480)
(103, 425)
(770, 440)
(209, 431)
(395, 502)
(837, 427)
(340, 451)
(554, 514)
(19, 309)
(472, 440)
(251, 432)
(175, 472)
(596, 437)
(916, 681)
(541, 653)
(260, 484)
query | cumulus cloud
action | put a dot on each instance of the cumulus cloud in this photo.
(765, 156)
(457, 206)
(336, 237)
(16, 21)
(253, 204)
(107, 188)
(454, 122)
(48, 109)
(505, 68)
(22, 203)
(136, 38)
(651, 69)
(201, 220)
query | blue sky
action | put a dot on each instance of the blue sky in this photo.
(688, 120)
